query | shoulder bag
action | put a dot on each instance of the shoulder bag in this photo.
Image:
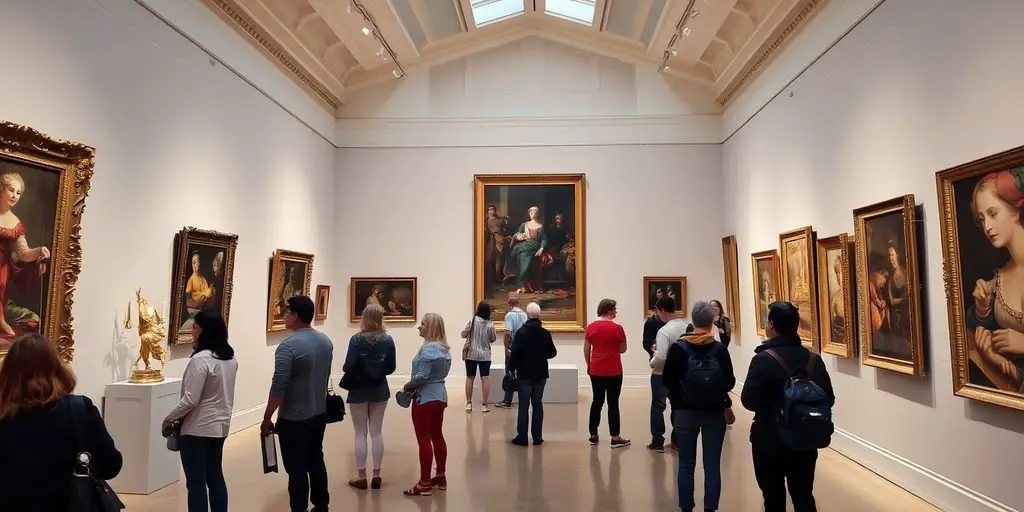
(88, 493)
(335, 406)
(469, 339)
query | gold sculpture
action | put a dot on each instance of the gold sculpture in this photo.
(151, 335)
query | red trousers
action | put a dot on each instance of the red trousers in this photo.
(427, 420)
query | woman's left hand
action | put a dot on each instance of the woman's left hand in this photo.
(1008, 342)
(44, 254)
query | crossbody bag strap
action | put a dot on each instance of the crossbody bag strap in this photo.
(785, 367)
(812, 364)
(76, 408)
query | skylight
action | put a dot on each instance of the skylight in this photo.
(580, 11)
(486, 12)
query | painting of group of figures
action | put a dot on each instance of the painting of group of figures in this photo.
(529, 240)
(661, 287)
(395, 295)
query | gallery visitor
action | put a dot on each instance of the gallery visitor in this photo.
(430, 367)
(699, 375)
(777, 466)
(671, 329)
(531, 349)
(298, 393)
(370, 359)
(722, 323)
(40, 420)
(479, 334)
(514, 319)
(603, 345)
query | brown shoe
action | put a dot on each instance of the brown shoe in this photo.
(440, 482)
(358, 483)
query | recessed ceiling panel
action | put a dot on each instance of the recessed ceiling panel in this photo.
(412, 24)
(579, 11)
(486, 12)
(652, 22)
(623, 17)
(440, 19)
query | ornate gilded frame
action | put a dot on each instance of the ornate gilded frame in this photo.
(322, 302)
(578, 181)
(808, 236)
(74, 163)
(772, 255)
(185, 237)
(681, 308)
(846, 347)
(959, 344)
(277, 281)
(353, 317)
(731, 269)
(907, 206)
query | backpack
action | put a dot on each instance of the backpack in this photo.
(804, 422)
(704, 384)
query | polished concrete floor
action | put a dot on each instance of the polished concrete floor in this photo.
(486, 473)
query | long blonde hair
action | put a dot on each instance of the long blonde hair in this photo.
(372, 320)
(433, 329)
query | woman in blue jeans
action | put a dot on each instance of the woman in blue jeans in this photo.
(204, 413)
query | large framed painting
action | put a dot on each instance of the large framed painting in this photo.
(529, 238)
(43, 183)
(982, 235)
(766, 285)
(835, 296)
(799, 286)
(673, 287)
(397, 295)
(322, 301)
(290, 275)
(204, 263)
(731, 264)
(888, 286)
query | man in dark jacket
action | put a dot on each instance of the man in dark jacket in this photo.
(776, 466)
(531, 349)
(701, 403)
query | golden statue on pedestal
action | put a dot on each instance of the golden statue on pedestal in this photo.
(151, 335)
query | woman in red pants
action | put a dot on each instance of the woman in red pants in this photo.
(429, 369)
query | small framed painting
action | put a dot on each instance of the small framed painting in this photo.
(835, 296)
(673, 287)
(323, 299)
(397, 295)
(766, 284)
(290, 275)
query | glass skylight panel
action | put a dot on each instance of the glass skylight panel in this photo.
(486, 12)
(580, 11)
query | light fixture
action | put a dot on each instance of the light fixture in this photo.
(370, 28)
(366, 31)
(397, 73)
(674, 52)
(682, 30)
(686, 31)
(380, 53)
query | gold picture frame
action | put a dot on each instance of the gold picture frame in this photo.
(68, 167)
(971, 200)
(891, 335)
(837, 326)
(285, 267)
(666, 285)
(799, 283)
(322, 301)
(504, 259)
(765, 272)
(214, 255)
(731, 266)
(398, 296)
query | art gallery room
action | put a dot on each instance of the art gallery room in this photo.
(164, 158)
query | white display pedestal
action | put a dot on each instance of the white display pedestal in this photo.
(562, 386)
(133, 414)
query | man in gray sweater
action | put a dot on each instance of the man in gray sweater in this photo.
(298, 393)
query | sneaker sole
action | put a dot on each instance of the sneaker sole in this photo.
(622, 445)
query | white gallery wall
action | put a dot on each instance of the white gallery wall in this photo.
(180, 141)
(917, 87)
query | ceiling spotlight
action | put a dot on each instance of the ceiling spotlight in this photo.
(686, 31)
(397, 73)
(380, 53)
(674, 52)
(694, 13)
(366, 31)
(666, 68)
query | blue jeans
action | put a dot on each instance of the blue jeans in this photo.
(531, 392)
(659, 402)
(201, 459)
(710, 426)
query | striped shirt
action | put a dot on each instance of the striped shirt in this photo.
(481, 334)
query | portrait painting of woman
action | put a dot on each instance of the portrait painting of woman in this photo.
(835, 296)
(21, 265)
(889, 288)
(799, 285)
(766, 279)
(529, 240)
(981, 210)
(291, 274)
(202, 278)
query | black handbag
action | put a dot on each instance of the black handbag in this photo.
(335, 407)
(88, 493)
(509, 382)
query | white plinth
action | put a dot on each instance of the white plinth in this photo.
(133, 413)
(562, 386)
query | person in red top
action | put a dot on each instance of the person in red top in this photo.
(603, 346)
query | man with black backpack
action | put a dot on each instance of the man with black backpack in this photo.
(789, 390)
(698, 374)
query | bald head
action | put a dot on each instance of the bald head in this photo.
(533, 310)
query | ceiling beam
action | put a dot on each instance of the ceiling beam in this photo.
(417, 12)
(601, 8)
(703, 29)
(466, 8)
(305, 20)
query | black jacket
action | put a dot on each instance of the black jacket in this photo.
(762, 390)
(531, 349)
(651, 327)
(677, 363)
(38, 449)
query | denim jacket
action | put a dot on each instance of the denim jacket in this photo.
(429, 369)
(364, 351)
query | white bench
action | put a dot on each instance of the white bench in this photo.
(562, 386)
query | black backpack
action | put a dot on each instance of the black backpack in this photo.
(704, 385)
(804, 421)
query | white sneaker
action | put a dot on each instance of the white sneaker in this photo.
(484, 408)
(469, 406)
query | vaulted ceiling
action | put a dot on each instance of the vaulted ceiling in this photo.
(333, 48)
